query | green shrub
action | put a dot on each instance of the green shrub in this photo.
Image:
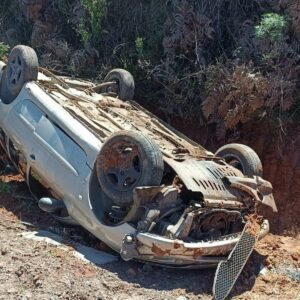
(90, 28)
(272, 26)
(4, 49)
(139, 45)
(84, 33)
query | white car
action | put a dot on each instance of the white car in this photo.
(102, 161)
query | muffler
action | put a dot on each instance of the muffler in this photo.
(51, 205)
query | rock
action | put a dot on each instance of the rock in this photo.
(38, 283)
(295, 256)
(265, 279)
(263, 270)
(19, 273)
(3, 251)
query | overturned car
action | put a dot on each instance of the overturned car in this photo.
(92, 156)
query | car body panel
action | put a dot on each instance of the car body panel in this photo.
(62, 142)
(176, 252)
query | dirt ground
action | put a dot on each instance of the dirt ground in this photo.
(35, 270)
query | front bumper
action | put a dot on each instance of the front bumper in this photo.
(177, 253)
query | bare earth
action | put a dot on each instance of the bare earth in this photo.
(35, 270)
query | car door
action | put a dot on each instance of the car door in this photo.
(51, 155)
(58, 158)
(20, 124)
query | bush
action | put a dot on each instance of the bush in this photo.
(90, 28)
(139, 45)
(3, 50)
(272, 26)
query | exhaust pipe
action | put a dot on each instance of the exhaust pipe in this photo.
(51, 205)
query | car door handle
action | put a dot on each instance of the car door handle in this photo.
(32, 156)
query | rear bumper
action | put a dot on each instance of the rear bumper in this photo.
(176, 253)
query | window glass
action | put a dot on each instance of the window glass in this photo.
(61, 143)
(30, 112)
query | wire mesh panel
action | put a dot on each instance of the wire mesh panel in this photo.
(228, 271)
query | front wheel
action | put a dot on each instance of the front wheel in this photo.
(243, 158)
(128, 159)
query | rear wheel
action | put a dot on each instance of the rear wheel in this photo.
(22, 67)
(125, 85)
(128, 159)
(243, 158)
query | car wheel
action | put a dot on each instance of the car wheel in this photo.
(125, 83)
(22, 67)
(128, 159)
(243, 158)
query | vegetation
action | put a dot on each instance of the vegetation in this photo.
(90, 28)
(4, 49)
(272, 26)
(139, 44)
(223, 63)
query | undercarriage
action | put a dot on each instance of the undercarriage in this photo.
(132, 180)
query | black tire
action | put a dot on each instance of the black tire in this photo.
(22, 67)
(125, 83)
(128, 159)
(243, 158)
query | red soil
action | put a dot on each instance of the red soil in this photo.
(280, 154)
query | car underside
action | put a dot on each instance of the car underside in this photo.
(151, 193)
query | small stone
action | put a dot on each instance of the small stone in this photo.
(19, 273)
(265, 279)
(181, 298)
(295, 256)
(38, 283)
(36, 280)
(263, 270)
(3, 251)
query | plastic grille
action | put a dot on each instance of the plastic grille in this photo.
(228, 271)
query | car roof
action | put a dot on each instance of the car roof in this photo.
(105, 115)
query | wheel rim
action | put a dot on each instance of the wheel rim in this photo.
(15, 71)
(122, 166)
(235, 162)
(215, 221)
(210, 225)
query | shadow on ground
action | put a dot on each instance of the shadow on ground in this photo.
(15, 198)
